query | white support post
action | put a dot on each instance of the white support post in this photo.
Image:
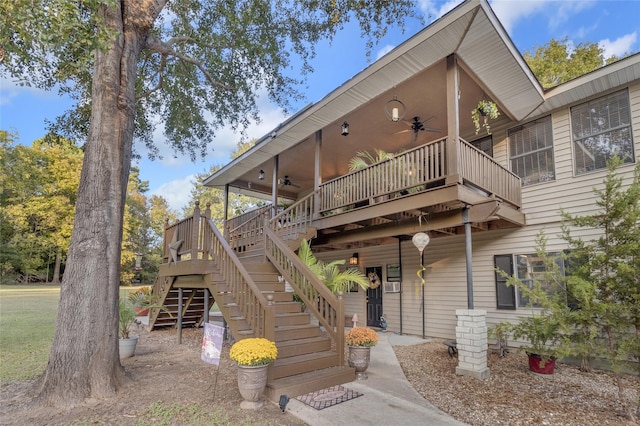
(471, 342)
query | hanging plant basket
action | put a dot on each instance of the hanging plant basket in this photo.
(488, 110)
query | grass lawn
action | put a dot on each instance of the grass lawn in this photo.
(27, 322)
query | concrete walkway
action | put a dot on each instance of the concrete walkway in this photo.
(388, 398)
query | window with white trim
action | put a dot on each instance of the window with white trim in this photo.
(531, 151)
(525, 267)
(601, 128)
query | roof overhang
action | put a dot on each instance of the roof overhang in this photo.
(471, 31)
(597, 82)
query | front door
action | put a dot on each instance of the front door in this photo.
(374, 296)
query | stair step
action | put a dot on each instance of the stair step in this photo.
(308, 382)
(283, 367)
(296, 332)
(296, 318)
(284, 307)
(296, 347)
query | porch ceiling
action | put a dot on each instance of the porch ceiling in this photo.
(415, 71)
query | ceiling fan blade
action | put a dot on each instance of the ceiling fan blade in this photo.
(431, 129)
(403, 131)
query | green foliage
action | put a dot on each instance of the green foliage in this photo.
(606, 276)
(202, 65)
(605, 280)
(127, 317)
(546, 327)
(488, 110)
(330, 273)
(557, 61)
(238, 204)
(364, 159)
(40, 184)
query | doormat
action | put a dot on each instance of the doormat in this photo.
(328, 397)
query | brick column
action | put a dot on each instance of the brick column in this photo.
(471, 341)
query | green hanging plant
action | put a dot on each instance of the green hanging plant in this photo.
(487, 110)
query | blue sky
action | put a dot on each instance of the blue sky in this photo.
(614, 24)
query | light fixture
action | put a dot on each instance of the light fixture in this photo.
(345, 129)
(261, 175)
(395, 109)
(353, 260)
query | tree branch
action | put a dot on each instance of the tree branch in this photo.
(165, 50)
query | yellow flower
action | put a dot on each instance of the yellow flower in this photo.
(361, 336)
(254, 351)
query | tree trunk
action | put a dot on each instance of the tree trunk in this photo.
(84, 360)
(56, 267)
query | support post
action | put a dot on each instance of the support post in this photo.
(468, 256)
(206, 305)
(180, 316)
(471, 342)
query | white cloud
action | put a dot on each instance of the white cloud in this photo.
(177, 192)
(433, 11)
(384, 50)
(509, 12)
(619, 46)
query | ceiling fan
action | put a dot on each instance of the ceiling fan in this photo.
(287, 182)
(417, 125)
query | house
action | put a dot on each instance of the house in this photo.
(481, 198)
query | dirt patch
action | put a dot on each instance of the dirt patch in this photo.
(169, 384)
(513, 395)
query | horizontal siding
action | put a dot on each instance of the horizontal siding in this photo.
(445, 288)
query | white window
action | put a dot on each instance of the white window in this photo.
(531, 151)
(601, 128)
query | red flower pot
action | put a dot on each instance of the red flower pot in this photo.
(141, 311)
(541, 365)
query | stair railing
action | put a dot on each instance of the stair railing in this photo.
(257, 310)
(322, 303)
(294, 220)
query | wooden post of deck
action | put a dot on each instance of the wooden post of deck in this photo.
(195, 223)
(453, 120)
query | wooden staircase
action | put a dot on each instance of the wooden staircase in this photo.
(310, 347)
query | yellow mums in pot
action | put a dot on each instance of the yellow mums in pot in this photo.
(254, 351)
(361, 336)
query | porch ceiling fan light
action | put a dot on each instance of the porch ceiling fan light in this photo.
(395, 109)
(261, 175)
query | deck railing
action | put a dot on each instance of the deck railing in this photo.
(482, 171)
(186, 237)
(406, 172)
(257, 310)
(295, 220)
(324, 305)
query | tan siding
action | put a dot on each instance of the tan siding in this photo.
(445, 289)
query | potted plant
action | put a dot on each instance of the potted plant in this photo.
(330, 273)
(127, 317)
(253, 356)
(487, 110)
(142, 300)
(545, 330)
(360, 340)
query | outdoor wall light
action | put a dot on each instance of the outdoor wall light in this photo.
(261, 175)
(345, 129)
(353, 260)
(395, 109)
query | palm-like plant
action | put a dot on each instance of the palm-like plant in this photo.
(364, 159)
(330, 273)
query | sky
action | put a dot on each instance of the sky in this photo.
(614, 24)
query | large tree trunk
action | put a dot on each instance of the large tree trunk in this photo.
(84, 360)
